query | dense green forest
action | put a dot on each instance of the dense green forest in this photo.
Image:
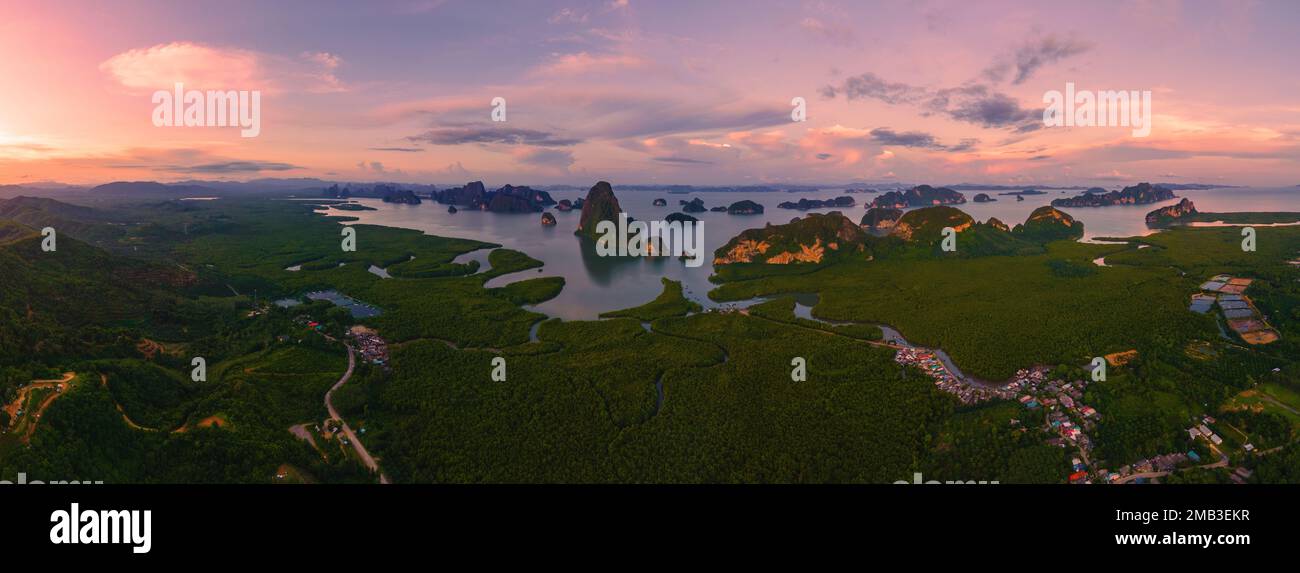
(662, 392)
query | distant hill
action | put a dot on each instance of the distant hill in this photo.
(263, 184)
(804, 203)
(9, 191)
(745, 207)
(1194, 186)
(24, 207)
(151, 190)
(14, 231)
(919, 196)
(85, 223)
(979, 187)
(1140, 194)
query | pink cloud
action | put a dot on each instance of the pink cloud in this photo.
(582, 63)
(200, 66)
(837, 34)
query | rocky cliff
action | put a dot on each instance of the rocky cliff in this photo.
(806, 204)
(599, 205)
(745, 207)
(403, 196)
(1171, 213)
(880, 220)
(919, 196)
(508, 199)
(1048, 223)
(695, 205)
(471, 195)
(1140, 194)
(925, 225)
(812, 239)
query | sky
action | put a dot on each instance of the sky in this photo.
(646, 92)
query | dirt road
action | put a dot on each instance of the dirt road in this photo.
(33, 415)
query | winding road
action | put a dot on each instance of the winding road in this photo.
(365, 456)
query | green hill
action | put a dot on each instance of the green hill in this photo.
(811, 239)
(1050, 224)
(55, 303)
(14, 231)
(926, 225)
(67, 219)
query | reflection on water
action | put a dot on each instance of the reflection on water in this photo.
(594, 284)
(480, 255)
(357, 308)
(1223, 224)
(605, 271)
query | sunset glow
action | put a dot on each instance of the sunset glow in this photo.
(400, 91)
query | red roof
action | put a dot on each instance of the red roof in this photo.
(1076, 476)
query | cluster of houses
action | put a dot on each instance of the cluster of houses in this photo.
(1068, 416)
(1170, 462)
(1203, 430)
(926, 360)
(367, 342)
(1242, 316)
(1027, 380)
(333, 429)
(1162, 463)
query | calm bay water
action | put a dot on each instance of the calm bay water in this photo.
(594, 284)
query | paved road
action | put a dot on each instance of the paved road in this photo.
(1131, 477)
(347, 430)
(1223, 462)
